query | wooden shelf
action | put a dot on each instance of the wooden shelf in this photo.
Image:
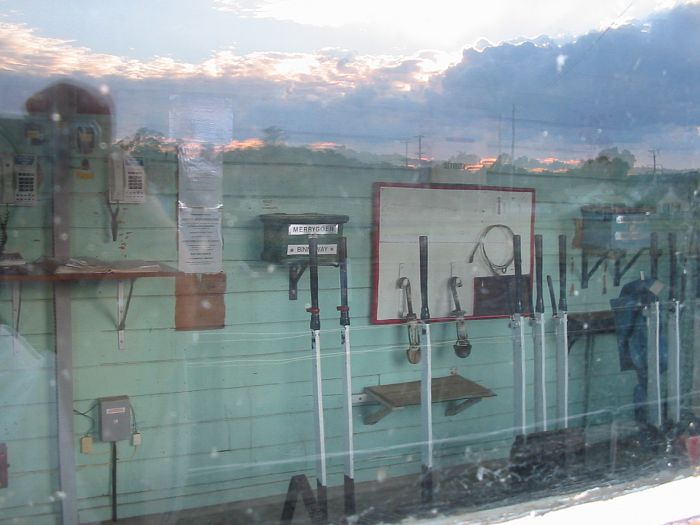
(40, 273)
(399, 395)
(45, 272)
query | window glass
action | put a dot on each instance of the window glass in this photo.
(276, 260)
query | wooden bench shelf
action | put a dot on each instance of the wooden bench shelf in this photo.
(450, 388)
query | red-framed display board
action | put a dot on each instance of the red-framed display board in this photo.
(469, 230)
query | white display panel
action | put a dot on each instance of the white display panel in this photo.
(453, 218)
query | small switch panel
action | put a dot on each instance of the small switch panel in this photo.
(115, 418)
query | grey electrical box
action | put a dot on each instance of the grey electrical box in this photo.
(115, 418)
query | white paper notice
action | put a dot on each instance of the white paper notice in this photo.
(200, 240)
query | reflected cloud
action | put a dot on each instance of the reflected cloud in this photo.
(22, 50)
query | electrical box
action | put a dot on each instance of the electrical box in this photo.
(286, 236)
(607, 228)
(115, 418)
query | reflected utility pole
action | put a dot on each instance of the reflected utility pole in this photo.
(500, 137)
(512, 147)
(512, 140)
(654, 152)
(420, 151)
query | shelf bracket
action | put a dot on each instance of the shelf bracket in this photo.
(585, 274)
(296, 270)
(618, 256)
(123, 310)
(16, 311)
(456, 409)
(620, 273)
(377, 415)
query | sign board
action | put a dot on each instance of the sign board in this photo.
(469, 230)
(286, 236)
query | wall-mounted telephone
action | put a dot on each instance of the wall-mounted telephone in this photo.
(127, 182)
(18, 179)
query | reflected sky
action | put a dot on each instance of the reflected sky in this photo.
(575, 77)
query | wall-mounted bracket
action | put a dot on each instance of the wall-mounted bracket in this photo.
(16, 310)
(296, 270)
(123, 310)
(618, 256)
(618, 262)
(585, 273)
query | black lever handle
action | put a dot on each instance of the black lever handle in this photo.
(517, 260)
(562, 273)
(539, 303)
(654, 255)
(552, 296)
(423, 252)
(313, 277)
(672, 266)
(344, 309)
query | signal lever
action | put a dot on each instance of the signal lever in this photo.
(413, 352)
(462, 346)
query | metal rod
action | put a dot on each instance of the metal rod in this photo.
(114, 480)
(653, 365)
(695, 387)
(562, 341)
(562, 273)
(518, 340)
(315, 325)
(539, 343)
(674, 336)
(674, 364)
(426, 377)
(344, 309)
(587, 375)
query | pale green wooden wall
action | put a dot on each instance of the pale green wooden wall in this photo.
(225, 414)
